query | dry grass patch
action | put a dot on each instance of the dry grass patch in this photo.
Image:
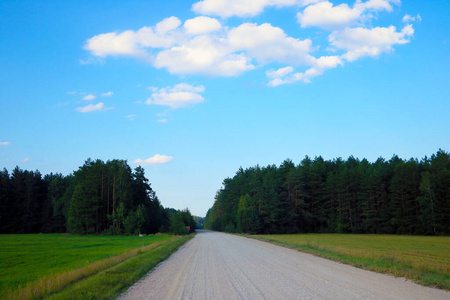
(423, 259)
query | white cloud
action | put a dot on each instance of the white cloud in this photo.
(201, 25)
(89, 97)
(267, 44)
(326, 62)
(286, 75)
(154, 160)
(25, 159)
(203, 46)
(162, 121)
(242, 8)
(71, 93)
(167, 25)
(408, 19)
(282, 72)
(131, 117)
(108, 94)
(327, 16)
(5, 143)
(361, 42)
(376, 4)
(114, 44)
(91, 107)
(205, 55)
(180, 95)
(131, 43)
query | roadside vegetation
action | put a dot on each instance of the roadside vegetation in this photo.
(423, 259)
(34, 266)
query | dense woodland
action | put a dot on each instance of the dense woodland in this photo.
(344, 196)
(98, 198)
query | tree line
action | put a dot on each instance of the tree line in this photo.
(99, 198)
(337, 196)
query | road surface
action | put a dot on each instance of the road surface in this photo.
(221, 266)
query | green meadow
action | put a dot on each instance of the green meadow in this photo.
(424, 259)
(43, 264)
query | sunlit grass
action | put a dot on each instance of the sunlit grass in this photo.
(423, 259)
(37, 264)
(111, 282)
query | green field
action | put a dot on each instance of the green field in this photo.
(424, 259)
(37, 261)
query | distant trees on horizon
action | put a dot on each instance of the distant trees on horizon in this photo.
(338, 196)
(98, 198)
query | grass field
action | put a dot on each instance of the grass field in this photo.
(44, 264)
(423, 259)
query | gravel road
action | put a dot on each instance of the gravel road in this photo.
(220, 266)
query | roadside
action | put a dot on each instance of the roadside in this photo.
(103, 279)
(425, 260)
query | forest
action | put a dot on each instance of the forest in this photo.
(98, 198)
(337, 196)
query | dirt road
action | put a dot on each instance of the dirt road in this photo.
(221, 266)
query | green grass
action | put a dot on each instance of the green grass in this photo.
(41, 261)
(112, 282)
(423, 259)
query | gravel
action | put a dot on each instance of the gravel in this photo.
(221, 266)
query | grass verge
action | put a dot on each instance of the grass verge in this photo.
(62, 284)
(25, 258)
(425, 260)
(112, 282)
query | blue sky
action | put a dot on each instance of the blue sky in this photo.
(192, 90)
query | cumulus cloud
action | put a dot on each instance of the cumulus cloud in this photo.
(107, 94)
(204, 46)
(327, 16)
(112, 43)
(360, 42)
(167, 25)
(232, 53)
(154, 160)
(204, 55)
(286, 75)
(5, 143)
(134, 43)
(180, 95)
(282, 72)
(89, 97)
(242, 8)
(201, 25)
(267, 44)
(91, 107)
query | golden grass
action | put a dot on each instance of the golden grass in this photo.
(425, 260)
(56, 282)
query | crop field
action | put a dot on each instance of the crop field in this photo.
(424, 259)
(45, 263)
